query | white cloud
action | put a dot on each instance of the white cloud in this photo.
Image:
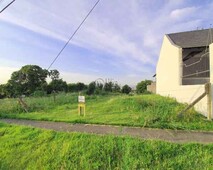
(183, 13)
(130, 31)
(93, 35)
(111, 42)
(78, 77)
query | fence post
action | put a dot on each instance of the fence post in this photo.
(209, 101)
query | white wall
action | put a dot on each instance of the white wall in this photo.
(211, 73)
(168, 67)
(169, 81)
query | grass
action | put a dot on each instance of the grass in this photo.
(140, 110)
(31, 148)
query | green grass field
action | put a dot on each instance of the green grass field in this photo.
(31, 148)
(139, 110)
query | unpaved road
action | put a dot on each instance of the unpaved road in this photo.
(176, 136)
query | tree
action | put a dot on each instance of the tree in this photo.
(126, 89)
(91, 88)
(99, 88)
(54, 74)
(27, 80)
(80, 86)
(108, 87)
(77, 87)
(72, 87)
(7, 89)
(116, 88)
(2, 91)
(142, 86)
(58, 85)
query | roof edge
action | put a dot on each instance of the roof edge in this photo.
(172, 42)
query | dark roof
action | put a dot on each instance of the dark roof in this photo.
(198, 38)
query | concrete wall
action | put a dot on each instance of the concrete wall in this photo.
(152, 87)
(169, 81)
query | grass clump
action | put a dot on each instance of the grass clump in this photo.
(31, 148)
(140, 110)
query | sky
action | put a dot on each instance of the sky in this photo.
(119, 41)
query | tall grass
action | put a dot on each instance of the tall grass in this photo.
(11, 105)
(140, 110)
(36, 103)
(31, 148)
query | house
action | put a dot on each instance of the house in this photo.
(185, 66)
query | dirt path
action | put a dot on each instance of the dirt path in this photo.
(176, 136)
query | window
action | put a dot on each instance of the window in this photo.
(195, 66)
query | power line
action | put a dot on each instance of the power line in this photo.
(73, 34)
(6, 6)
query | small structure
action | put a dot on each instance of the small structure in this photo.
(81, 105)
(185, 66)
(152, 87)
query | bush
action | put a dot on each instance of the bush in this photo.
(126, 89)
(91, 88)
(142, 86)
(39, 93)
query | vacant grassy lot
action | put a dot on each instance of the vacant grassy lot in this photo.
(140, 110)
(30, 148)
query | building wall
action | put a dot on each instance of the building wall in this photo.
(211, 73)
(152, 87)
(169, 81)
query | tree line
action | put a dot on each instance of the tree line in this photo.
(31, 80)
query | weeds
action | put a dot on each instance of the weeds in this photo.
(31, 148)
(140, 110)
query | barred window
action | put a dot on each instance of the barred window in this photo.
(195, 66)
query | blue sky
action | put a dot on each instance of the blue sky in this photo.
(120, 40)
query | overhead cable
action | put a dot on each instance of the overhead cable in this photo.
(6, 6)
(73, 34)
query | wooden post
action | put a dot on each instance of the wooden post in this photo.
(208, 93)
(23, 104)
(81, 109)
(209, 103)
